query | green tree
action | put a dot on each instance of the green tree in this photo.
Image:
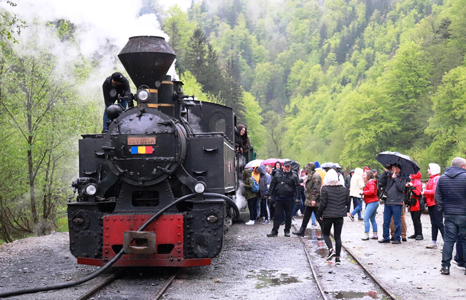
(42, 115)
(180, 30)
(447, 127)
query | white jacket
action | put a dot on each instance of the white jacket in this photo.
(357, 183)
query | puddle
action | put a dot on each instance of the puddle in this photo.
(323, 252)
(355, 295)
(268, 278)
(312, 234)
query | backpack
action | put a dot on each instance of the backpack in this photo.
(255, 186)
(409, 201)
(422, 203)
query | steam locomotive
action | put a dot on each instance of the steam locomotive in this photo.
(157, 186)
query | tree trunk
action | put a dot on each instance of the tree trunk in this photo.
(4, 226)
(32, 196)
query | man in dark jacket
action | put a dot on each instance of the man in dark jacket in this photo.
(394, 184)
(114, 86)
(285, 189)
(450, 197)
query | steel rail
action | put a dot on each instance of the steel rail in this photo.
(385, 290)
(99, 286)
(314, 274)
(369, 273)
(166, 285)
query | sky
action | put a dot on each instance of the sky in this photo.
(101, 22)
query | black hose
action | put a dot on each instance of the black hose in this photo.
(110, 263)
(227, 199)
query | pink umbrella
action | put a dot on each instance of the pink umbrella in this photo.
(271, 161)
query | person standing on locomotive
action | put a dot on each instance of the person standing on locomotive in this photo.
(285, 189)
(244, 145)
(114, 86)
(277, 168)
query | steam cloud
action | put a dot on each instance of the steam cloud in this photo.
(102, 29)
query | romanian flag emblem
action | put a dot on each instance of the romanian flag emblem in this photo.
(142, 150)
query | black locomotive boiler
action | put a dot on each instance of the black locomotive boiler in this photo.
(156, 186)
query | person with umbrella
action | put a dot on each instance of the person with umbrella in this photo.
(393, 183)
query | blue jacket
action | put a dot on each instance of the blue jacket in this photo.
(450, 194)
(264, 182)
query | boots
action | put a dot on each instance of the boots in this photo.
(300, 232)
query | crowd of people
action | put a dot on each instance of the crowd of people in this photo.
(325, 196)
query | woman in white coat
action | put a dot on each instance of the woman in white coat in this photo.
(356, 189)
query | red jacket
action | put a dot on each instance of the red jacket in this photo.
(416, 181)
(430, 189)
(370, 191)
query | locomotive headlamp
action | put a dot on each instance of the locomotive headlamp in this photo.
(212, 218)
(91, 189)
(199, 187)
(143, 95)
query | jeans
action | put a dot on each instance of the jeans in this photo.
(258, 208)
(455, 228)
(436, 221)
(106, 119)
(369, 216)
(337, 227)
(459, 256)
(388, 212)
(264, 209)
(280, 207)
(298, 206)
(404, 228)
(358, 207)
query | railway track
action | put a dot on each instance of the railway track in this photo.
(322, 272)
(129, 281)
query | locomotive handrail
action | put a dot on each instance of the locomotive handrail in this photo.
(117, 257)
(214, 133)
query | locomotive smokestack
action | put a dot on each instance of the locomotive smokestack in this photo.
(147, 59)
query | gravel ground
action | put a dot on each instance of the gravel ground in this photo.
(254, 266)
(409, 270)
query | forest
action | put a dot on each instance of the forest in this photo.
(328, 80)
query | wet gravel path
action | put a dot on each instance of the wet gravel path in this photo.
(251, 266)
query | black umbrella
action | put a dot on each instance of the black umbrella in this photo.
(408, 166)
